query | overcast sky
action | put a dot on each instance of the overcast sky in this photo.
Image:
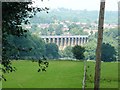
(111, 5)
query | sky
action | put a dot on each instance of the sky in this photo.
(111, 5)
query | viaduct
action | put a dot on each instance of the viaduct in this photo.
(63, 41)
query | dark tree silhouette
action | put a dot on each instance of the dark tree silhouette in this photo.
(78, 52)
(108, 53)
(52, 51)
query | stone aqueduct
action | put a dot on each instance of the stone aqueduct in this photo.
(63, 41)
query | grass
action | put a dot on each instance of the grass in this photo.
(60, 74)
(109, 75)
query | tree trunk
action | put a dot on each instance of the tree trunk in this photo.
(0, 33)
(99, 44)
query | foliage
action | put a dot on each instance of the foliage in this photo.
(113, 32)
(63, 14)
(67, 52)
(30, 47)
(58, 30)
(52, 51)
(13, 15)
(76, 30)
(108, 53)
(90, 48)
(78, 52)
(110, 39)
(111, 36)
(51, 29)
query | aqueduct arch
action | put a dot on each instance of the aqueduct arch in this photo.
(63, 41)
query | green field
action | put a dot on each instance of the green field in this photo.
(60, 74)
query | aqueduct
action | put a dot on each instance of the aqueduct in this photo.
(63, 41)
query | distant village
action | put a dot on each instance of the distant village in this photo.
(88, 29)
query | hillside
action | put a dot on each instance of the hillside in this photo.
(63, 14)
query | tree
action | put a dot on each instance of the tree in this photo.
(52, 51)
(38, 47)
(68, 52)
(51, 29)
(90, 49)
(76, 30)
(108, 53)
(58, 30)
(110, 36)
(99, 44)
(78, 52)
(44, 32)
(13, 15)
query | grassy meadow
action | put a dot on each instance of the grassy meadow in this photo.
(60, 74)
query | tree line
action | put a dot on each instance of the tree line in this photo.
(34, 48)
(74, 16)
